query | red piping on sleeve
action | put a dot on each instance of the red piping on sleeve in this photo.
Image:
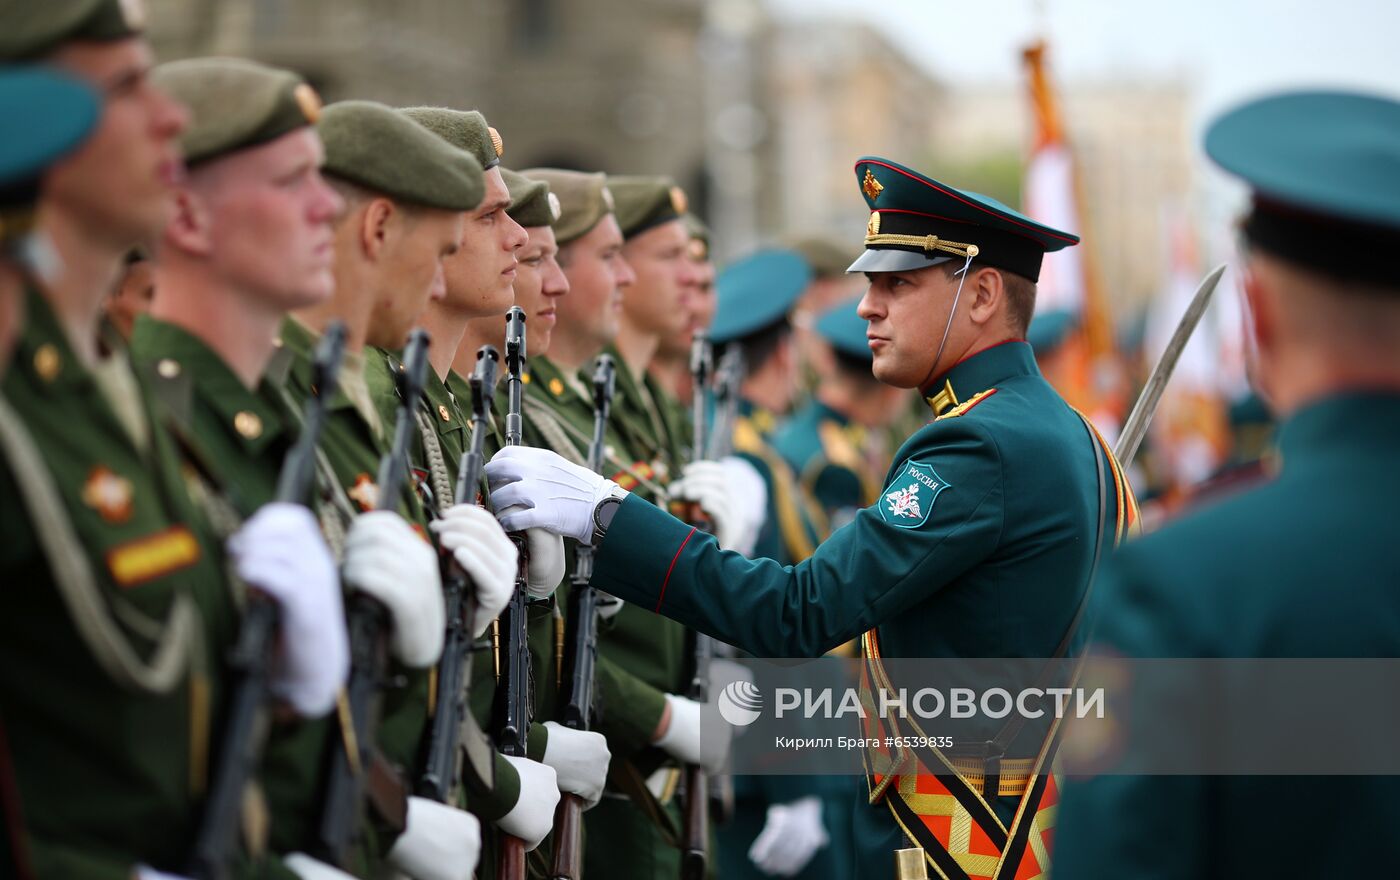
(672, 568)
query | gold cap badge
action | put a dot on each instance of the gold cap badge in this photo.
(873, 227)
(556, 210)
(870, 186)
(678, 200)
(496, 142)
(608, 199)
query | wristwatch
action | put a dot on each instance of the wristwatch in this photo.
(603, 515)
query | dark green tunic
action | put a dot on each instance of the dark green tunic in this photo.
(106, 775)
(1304, 566)
(990, 562)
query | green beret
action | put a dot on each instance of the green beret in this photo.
(644, 202)
(531, 202)
(380, 149)
(584, 199)
(463, 129)
(699, 236)
(828, 258)
(34, 28)
(236, 104)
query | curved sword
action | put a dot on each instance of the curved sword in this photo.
(1135, 428)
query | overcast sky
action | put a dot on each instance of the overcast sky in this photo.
(1226, 49)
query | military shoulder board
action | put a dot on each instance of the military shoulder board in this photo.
(966, 405)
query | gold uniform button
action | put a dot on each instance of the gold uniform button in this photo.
(556, 387)
(47, 362)
(168, 369)
(442, 411)
(248, 424)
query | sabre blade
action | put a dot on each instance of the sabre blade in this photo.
(1135, 428)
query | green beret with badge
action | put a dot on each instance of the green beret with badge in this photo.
(757, 292)
(531, 202)
(1324, 168)
(584, 199)
(844, 330)
(380, 149)
(646, 202)
(34, 28)
(916, 222)
(464, 129)
(59, 112)
(236, 104)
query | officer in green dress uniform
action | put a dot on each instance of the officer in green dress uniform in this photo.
(126, 610)
(1305, 565)
(66, 111)
(982, 542)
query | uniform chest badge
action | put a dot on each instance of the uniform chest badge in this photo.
(908, 500)
(364, 493)
(108, 494)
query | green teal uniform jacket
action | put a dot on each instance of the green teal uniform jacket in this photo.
(823, 449)
(242, 436)
(980, 546)
(105, 774)
(1305, 566)
(794, 526)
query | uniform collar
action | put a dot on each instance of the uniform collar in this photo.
(978, 372)
(299, 344)
(246, 414)
(1342, 423)
(824, 413)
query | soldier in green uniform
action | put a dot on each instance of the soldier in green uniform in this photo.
(67, 111)
(640, 667)
(981, 545)
(126, 610)
(832, 442)
(407, 192)
(250, 241)
(670, 366)
(1305, 565)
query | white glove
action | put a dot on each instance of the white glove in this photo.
(141, 872)
(479, 545)
(532, 817)
(555, 494)
(748, 498)
(438, 842)
(546, 561)
(685, 741)
(280, 552)
(791, 836)
(387, 559)
(707, 483)
(608, 605)
(308, 868)
(580, 758)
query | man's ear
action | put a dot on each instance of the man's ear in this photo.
(377, 227)
(1261, 331)
(985, 291)
(190, 226)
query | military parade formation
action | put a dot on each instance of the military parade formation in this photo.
(369, 508)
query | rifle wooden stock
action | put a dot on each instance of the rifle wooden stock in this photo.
(247, 723)
(346, 784)
(581, 644)
(695, 824)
